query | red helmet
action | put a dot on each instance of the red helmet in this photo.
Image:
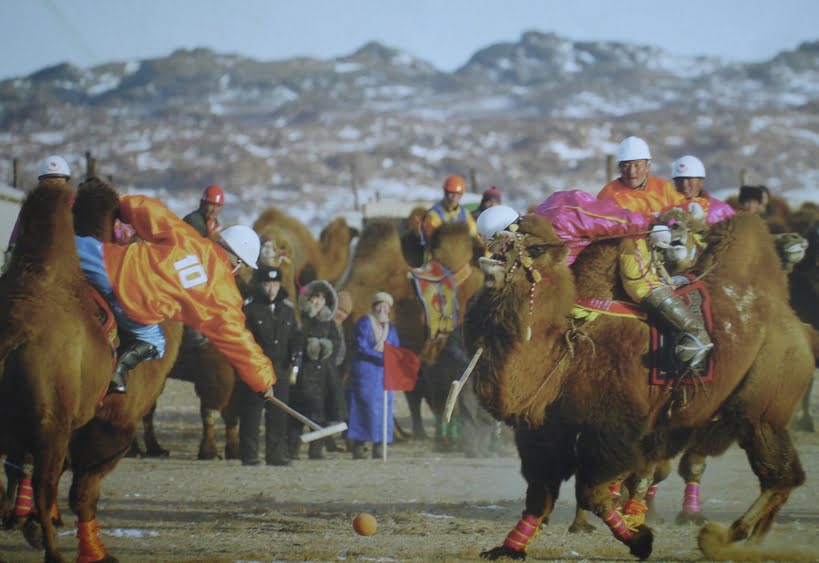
(213, 194)
(455, 184)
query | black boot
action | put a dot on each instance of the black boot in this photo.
(694, 343)
(358, 449)
(378, 450)
(131, 357)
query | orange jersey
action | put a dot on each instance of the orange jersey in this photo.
(657, 196)
(176, 274)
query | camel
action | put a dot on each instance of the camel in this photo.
(57, 363)
(577, 391)
(325, 259)
(379, 265)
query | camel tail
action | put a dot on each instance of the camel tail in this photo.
(714, 542)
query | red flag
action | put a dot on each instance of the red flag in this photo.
(401, 367)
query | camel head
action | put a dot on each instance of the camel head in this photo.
(527, 295)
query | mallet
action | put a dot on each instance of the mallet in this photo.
(318, 431)
(458, 384)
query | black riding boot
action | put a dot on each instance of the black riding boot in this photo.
(131, 357)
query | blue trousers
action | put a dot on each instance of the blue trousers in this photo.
(89, 250)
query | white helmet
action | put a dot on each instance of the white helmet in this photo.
(53, 167)
(496, 219)
(244, 243)
(633, 148)
(688, 167)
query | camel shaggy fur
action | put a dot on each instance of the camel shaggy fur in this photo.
(578, 393)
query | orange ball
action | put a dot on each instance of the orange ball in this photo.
(364, 524)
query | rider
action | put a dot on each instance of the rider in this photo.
(174, 274)
(448, 210)
(636, 190)
(688, 173)
(53, 168)
(206, 218)
(490, 198)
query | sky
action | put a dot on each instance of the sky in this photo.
(41, 33)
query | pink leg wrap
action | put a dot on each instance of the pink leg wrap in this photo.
(652, 490)
(25, 501)
(691, 499)
(522, 533)
(617, 525)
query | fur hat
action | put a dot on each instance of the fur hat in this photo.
(383, 296)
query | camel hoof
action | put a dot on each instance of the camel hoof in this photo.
(497, 552)
(581, 528)
(208, 451)
(685, 518)
(641, 543)
(33, 533)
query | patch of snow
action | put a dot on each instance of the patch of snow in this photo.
(343, 68)
(429, 154)
(349, 133)
(105, 83)
(49, 137)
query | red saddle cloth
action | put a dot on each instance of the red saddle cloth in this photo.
(437, 289)
(108, 325)
(665, 369)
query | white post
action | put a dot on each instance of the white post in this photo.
(384, 429)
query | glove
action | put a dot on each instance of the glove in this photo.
(313, 348)
(660, 236)
(326, 346)
(267, 394)
(696, 210)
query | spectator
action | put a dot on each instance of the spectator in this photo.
(317, 393)
(365, 392)
(271, 318)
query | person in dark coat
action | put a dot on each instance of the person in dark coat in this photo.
(205, 219)
(271, 318)
(317, 392)
(365, 391)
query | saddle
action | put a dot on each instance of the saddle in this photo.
(437, 289)
(105, 317)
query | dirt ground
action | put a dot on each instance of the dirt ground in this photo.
(429, 506)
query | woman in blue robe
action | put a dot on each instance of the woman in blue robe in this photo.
(365, 390)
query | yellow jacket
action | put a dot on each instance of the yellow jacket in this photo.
(176, 274)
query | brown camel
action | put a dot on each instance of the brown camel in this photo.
(325, 259)
(57, 363)
(379, 265)
(578, 394)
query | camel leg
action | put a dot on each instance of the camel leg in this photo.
(547, 459)
(230, 416)
(691, 468)
(581, 522)
(207, 447)
(603, 458)
(152, 447)
(49, 460)
(661, 473)
(414, 399)
(776, 463)
(805, 421)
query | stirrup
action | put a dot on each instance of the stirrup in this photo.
(691, 350)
